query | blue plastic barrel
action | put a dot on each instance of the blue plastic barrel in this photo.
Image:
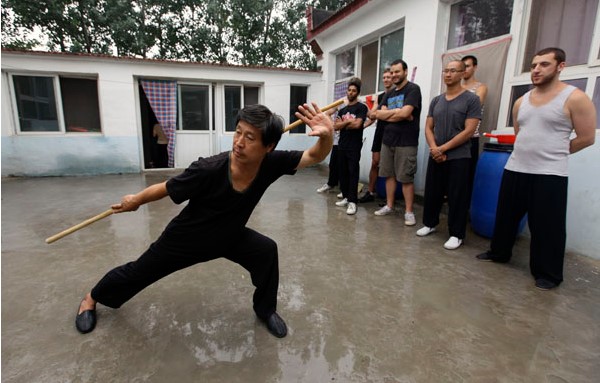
(486, 187)
(380, 188)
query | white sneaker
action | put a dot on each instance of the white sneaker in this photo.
(351, 208)
(323, 188)
(425, 231)
(409, 219)
(453, 243)
(340, 195)
(343, 202)
(384, 210)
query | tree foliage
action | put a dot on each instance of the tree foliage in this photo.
(249, 32)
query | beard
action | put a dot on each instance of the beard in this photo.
(544, 79)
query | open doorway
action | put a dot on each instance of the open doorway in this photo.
(155, 151)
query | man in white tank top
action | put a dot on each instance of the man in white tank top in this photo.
(535, 179)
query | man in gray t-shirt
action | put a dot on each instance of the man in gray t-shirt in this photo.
(451, 121)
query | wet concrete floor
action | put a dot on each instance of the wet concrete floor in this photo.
(364, 298)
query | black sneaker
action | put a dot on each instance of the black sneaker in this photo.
(544, 284)
(486, 257)
(368, 197)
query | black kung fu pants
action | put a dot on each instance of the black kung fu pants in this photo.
(349, 161)
(449, 178)
(252, 250)
(544, 199)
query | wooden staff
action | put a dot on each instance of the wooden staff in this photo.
(297, 123)
(83, 224)
(108, 212)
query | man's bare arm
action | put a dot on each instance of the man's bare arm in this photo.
(583, 115)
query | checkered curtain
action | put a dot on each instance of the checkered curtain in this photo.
(162, 96)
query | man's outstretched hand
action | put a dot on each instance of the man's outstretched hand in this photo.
(320, 123)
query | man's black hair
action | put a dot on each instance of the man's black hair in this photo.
(400, 61)
(269, 123)
(356, 82)
(559, 54)
(470, 57)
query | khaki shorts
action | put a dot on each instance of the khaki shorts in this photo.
(399, 162)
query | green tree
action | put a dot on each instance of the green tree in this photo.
(250, 32)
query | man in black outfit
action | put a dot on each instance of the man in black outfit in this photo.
(222, 190)
(350, 122)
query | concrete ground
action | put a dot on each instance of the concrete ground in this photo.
(364, 298)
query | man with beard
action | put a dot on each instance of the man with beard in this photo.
(535, 178)
(350, 123)
(451, 121)
(400, 110)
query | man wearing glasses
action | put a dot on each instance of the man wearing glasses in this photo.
(451, 121)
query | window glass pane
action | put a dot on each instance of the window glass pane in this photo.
(80, 104)
(339, 89)
(194, 107)
(36, 104)
(391, 49)
(344, 64)
(250, 95)
(517, 91)
(596, 100)
(368, 68)
(298, 96)
(477, 20)
(578, 83)
(520, 90)
(233, 102)
(567, 24)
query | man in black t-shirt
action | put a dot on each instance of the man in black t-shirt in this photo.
(350, 123)
(222, 191)
(401, 109)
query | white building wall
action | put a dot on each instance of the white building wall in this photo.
(118, 149)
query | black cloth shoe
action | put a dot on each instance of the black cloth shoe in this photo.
(276, 325)
(86, 321)
(368, 197)
(544, 284)
(488, 257)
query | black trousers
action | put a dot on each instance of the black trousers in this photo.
(252, 250)
(449, 178)
(544, 199)
(349, 173)
(334, 166)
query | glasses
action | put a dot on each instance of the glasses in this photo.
(453, 71)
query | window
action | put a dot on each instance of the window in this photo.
(38, 110)
(519, 90)
(472, 21)
(233, 102)
(344, 64)
(368, 68)
(80, 104)
(36, 104)
(568, 24)
(193, 108)
(250, 95)
(298, 95)
(391, 49)
(596, 100)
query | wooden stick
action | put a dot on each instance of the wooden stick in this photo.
(297, 123)
(83, 224)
